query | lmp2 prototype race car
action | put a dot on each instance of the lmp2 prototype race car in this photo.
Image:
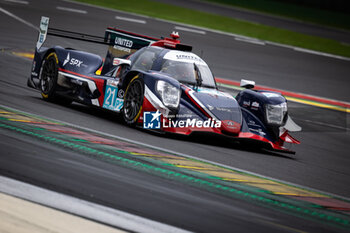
(157, 84)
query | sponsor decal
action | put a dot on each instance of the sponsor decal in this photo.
(120, 93)
(122, 48)
(112, 101)
(184, 57)
(210, 107)
(116, 61)
(258, 131)
(231, 126)
(44, 24)
(41, 39)
(75, 62)
(246, 103)
(229, 110)
(255, 128)
(253, 124)
(188, 57)
(72, 61)
(151, 120)
(255, 105)
(123, 42)
(66, 60)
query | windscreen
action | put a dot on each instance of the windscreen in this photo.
(187, 68)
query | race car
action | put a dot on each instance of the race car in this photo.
(157, 84)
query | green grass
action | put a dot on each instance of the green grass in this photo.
(299, 12)
(226, 24)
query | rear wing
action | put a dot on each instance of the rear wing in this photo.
(46, 30)
(127, 42)
(120, 43)
(119, 39)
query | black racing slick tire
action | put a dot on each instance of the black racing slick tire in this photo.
(48, 79)
(133, 100)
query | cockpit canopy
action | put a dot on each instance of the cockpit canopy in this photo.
(186, 67)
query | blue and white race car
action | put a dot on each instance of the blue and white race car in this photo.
(157, 84)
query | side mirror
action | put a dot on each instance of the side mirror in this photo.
(119, 61)
(247, 84)
(120, 65)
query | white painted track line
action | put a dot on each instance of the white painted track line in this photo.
(131, 20)
(19, 19)
(18, 1)
(250, 40)
(71, 10)
(317, 53)
(190, 30)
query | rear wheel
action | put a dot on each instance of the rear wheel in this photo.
(133, 100)
(48, 80)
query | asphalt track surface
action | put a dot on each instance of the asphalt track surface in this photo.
(321, 161)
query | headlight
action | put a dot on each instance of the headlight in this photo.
(275, 113)
(170, 94)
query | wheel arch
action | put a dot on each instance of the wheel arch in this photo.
(127, 79)
(40, 57)
(50, 94)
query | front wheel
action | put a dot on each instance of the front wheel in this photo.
(133, 100)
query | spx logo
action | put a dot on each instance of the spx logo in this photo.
(151, 120)
(66, 60)
(72, 61)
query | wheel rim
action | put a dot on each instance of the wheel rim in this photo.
(48, 76)
(133, 100)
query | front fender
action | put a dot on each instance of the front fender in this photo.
(252, 124)
(150, 79)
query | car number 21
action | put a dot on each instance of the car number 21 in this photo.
(111, 101)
